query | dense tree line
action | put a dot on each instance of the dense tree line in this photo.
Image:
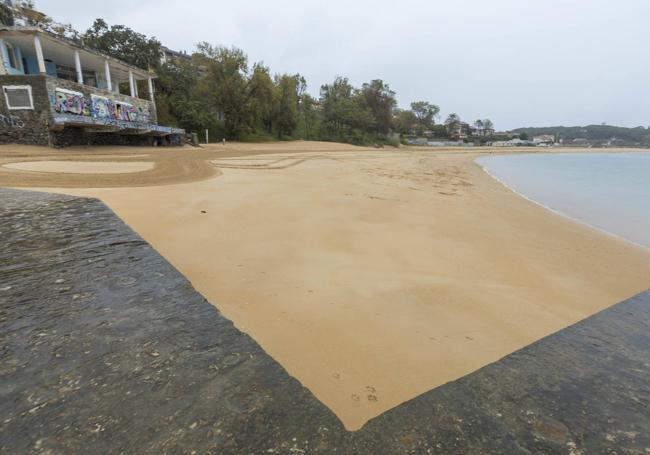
(218, 89)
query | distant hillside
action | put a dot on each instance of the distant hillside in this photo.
(593, 134)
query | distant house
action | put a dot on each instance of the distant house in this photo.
(171, 57)
(544, 139)
(614, 142)
(487, 132)
(58, 92)
(460, 131)
(514, 143)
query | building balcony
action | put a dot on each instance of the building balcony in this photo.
(31, 50)
(80, 86)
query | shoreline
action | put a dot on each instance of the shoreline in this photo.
(562, 214)
(362, 271)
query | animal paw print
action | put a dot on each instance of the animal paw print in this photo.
(371, 394)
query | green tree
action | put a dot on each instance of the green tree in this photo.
(286, 104)
(478, 124)
(124, 44)
(405, 121)
(344, 117)
(488, 127)
(225, 86)
(425, 113)
(261, 89)
(379, 99)
(452, 123)
(177, 100)
(6, 14)
(311, 115)
(308, 112)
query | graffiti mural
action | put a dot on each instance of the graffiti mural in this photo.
(103, 107)
(65, 119)
(100, 107)
(125, 111)
(11, 121)
(70, 102)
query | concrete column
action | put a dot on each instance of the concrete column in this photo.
(77, 65)
(131, 83)
(151, 96)
(39, 55)
(107, 75)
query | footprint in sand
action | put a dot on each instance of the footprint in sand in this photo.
(336, 376)
(371, 394)
(355, 397)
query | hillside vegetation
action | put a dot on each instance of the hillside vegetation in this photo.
(593, 133)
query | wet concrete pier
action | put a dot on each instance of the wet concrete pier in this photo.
(106, 348)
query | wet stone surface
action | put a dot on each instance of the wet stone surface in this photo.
(106, 348)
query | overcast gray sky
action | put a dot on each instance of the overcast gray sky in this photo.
(518, 62)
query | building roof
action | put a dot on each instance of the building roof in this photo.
(58, 49)
(178, 54)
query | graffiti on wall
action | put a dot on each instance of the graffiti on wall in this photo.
(103, 107)
(100, 107)
(65, 119)
(11, 121)
(70, 102)
(124, 111)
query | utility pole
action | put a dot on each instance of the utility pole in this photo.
(206, 136)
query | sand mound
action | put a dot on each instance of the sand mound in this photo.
(82, 167)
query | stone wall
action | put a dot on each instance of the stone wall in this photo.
(36, 126)
(25, 126)
(71, 135)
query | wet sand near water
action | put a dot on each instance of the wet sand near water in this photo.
(372, 276)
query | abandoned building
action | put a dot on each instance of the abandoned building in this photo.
(57, 92)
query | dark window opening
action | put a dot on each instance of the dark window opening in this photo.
(12, 56)
(70, 74)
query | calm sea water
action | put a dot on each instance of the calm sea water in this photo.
(609, 191)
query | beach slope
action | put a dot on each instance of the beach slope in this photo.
(372, 276)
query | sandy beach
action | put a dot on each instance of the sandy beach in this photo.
(371, 275)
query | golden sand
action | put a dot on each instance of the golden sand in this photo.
(372, 276)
